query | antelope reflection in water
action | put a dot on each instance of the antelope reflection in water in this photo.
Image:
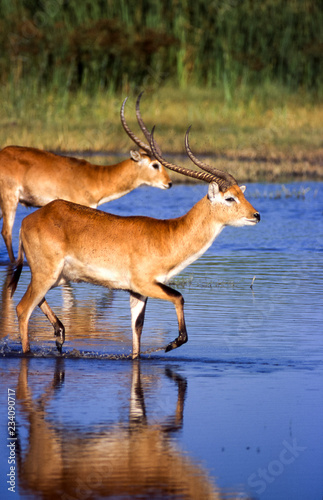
(128, 458)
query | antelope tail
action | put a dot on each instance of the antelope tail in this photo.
(16, 271)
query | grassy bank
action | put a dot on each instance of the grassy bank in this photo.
(267, 131)
(248, 76)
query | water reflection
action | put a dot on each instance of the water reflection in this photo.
(253, 364)
(137, 456)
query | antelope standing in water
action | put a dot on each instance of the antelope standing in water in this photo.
(34, 177)
(66, 242)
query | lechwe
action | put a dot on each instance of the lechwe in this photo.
(67, 242)
(34, 177)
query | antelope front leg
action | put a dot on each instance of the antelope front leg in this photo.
(138, 306)
(178, 301)
(8, 214)
(164, 292)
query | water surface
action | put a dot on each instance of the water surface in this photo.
(237, 409)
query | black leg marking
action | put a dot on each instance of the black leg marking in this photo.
(180, 340)
(59, 332)
(59, 329)
(178, 301)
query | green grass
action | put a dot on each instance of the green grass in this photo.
(278, 134)
(248, 77)
(270, 123)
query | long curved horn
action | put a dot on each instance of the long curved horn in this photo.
(181, 170)
(143, 127)
(132, 136)
(222, 178)
(140, 120)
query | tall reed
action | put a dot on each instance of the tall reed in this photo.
(96, 44)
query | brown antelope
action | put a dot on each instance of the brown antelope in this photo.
(67, 242)
(34, 177)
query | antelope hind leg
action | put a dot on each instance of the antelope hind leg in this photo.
(35, 295)
(59, 329)
(8, 212)
(29, 301)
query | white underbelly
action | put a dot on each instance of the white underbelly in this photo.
(76, 270)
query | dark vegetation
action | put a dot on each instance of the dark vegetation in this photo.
(108, 44)
(246, 74)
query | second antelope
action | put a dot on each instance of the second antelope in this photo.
(67, 242)
(34, 177)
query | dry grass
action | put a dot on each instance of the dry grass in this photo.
(267, 136)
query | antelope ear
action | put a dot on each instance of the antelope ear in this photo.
(243, 188)
(135, 155)
(213, 191)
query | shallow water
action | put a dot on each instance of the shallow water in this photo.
(237, 410)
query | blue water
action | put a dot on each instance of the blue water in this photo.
(249, 424)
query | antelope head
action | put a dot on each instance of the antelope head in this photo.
(225, 196)
(144, 157)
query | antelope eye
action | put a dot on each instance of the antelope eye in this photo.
(155, 165)
(230, 200)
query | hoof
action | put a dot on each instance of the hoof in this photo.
(27, 354)
(59, 333)
(26, 350)
(176, 343)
